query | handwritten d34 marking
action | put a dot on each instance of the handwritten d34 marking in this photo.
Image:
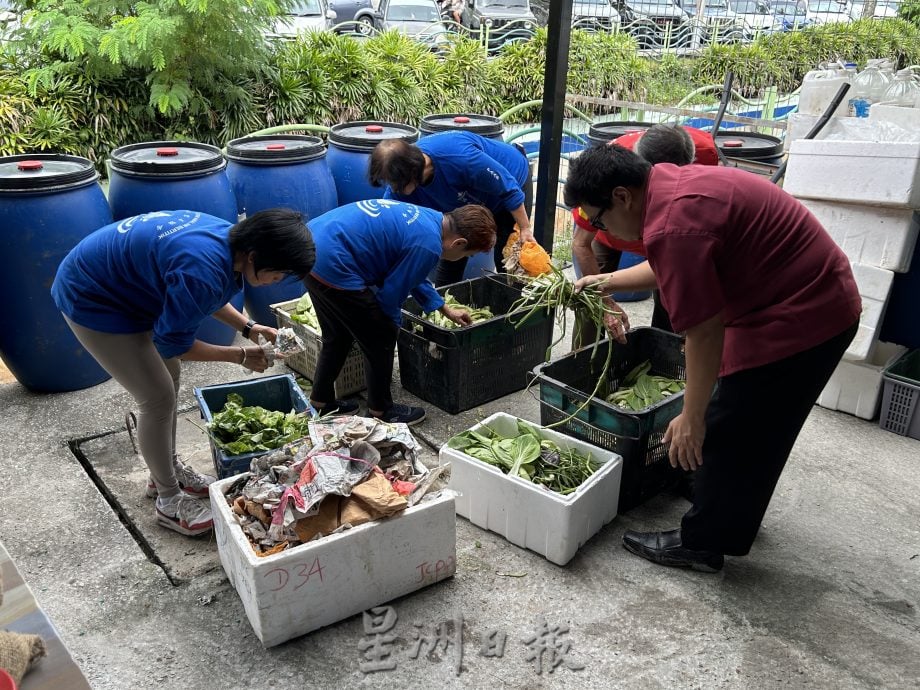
(302, 572)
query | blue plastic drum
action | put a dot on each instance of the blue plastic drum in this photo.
(48, 203)
(279, 170)
(484, 125)
(171, 176)
(350, 146)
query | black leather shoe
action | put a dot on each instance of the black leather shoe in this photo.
(665, 548)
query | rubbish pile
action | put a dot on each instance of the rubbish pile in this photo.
(348, 471)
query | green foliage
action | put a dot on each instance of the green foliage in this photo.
(909, 10)
(183, 47)
(92, 75)
(783, 59)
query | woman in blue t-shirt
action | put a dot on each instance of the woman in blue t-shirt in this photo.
(447, 170)
(135, 292)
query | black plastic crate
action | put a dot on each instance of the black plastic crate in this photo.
(566, 383)
(458, 369)
(278, 393)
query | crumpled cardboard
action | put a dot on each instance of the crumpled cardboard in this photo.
(371, 499)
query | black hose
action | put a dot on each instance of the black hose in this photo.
(723, 106)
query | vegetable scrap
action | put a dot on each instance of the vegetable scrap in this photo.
(347, 471)
(527, 258)
(304, 313)
(640, 390)
(477, 314)
(239, 429)
(529, 456)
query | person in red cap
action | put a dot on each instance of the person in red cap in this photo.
(599, 252)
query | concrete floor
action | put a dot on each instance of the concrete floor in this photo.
(827, 598)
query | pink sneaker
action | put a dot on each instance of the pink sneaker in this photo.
(184, 514)
(190, 481)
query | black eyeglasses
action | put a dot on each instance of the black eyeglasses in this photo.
(596, 222)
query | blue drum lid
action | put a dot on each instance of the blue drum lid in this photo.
(167, 158)
(45, 172)
(601, 132)
(486, 125)
(364, 136)
(276, 149)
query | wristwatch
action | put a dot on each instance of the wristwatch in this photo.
(247, 329)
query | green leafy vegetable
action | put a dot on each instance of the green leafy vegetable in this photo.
(529, 456)
(304, 313)
(477, 314)
(237, 429)
(640, 390)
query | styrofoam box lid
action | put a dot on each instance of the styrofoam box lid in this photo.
(506, 425)
(851, 149)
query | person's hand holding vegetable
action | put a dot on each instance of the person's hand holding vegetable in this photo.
(598, 280)
(458, 316)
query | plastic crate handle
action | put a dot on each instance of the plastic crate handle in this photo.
(568, 416)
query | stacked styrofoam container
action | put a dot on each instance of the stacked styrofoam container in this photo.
(293, 592)
(866, 194)
(528, 515)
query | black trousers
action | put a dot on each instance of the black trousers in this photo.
(752, 423)
(347, 316)
(449, 272)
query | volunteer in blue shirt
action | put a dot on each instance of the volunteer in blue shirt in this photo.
(446, 170)
(370, 256)
(134, 294)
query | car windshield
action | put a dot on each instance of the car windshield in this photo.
(303, 8)
(716, 5)
(413, 12)
(747, 6)
(825, 6)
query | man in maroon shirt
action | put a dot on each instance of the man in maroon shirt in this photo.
(768, 304)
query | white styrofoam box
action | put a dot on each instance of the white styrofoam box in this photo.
(855, 387)
(527, 515)
(864, 172)
(324, 581)
(877, 236)
(874, 287)
(907, 118)
(797, 126)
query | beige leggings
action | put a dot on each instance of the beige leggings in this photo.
(153, 382)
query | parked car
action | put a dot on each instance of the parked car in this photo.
(826, 11)
(305, 15)
(756, 16)
(346, 12)
(653, 22)
(883, 10)
(594, 15)
(506, 20)
(790, 14)
(420, 19)
(720, 23)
